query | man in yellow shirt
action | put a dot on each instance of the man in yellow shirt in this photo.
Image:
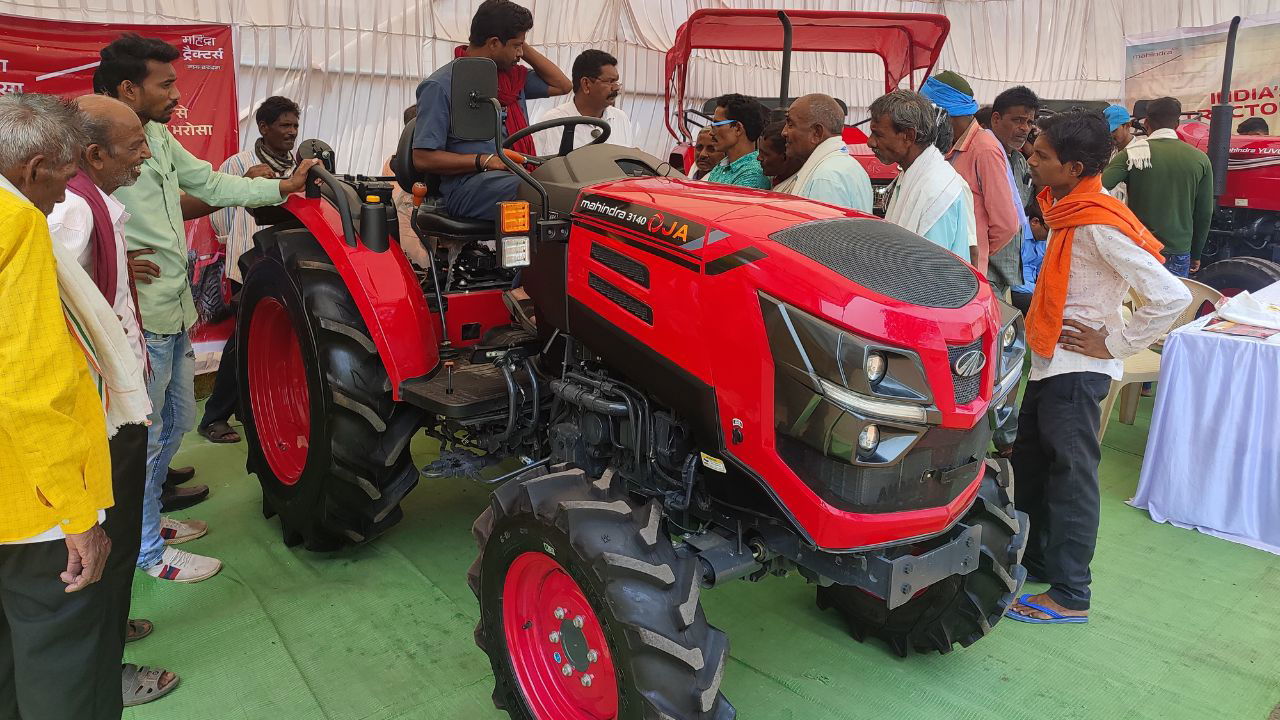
(55, 470)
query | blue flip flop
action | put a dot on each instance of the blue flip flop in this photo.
(1055, 618)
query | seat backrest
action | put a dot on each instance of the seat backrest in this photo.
(1200, 294)
(402, 164)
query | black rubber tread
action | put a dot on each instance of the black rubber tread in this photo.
(671, 661)
(961, 608)
(1245, 273)
(358, 466)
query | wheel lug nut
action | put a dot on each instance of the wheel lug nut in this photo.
(586, 681)
(567, 670)
(560, 613)
(578, 621)
(555, 638)
(593, 656)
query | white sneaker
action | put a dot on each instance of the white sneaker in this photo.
(184, 567)
(176, 532)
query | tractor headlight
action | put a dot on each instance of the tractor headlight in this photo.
(868, 439)
(1013, 348)
(875, 367)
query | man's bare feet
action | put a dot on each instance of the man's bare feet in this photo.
(1044, 600)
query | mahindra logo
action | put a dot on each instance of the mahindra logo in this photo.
(969, 364)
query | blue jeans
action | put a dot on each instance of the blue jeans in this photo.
(1179, 265)
(173, 414)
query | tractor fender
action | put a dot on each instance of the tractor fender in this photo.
(385, 290)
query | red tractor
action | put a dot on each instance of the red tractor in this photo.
(716, 383)
(906, 43)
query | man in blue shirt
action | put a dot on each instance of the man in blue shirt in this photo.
(474, 179)
(813, 131)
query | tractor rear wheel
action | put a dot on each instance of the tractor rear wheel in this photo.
(328, 444)
(961, 608)
(586, 609)
(1233, 275)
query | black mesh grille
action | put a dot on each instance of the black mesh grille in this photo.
(621, 264)
(966, 388)
(620, 297)
(884, 258)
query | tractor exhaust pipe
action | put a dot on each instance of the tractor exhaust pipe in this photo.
(786, 61)
(1222, 115)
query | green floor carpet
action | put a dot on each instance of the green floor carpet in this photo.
(1184, 626)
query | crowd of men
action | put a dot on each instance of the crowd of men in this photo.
(95, 302)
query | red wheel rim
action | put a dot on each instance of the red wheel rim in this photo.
(550, 626)
(278, 390)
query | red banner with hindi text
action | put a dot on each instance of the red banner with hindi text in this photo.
(59, 57)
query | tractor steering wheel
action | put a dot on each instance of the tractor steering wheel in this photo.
(573, 122)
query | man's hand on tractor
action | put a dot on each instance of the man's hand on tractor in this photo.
(298, 179)
(261, 170)
(143, 270)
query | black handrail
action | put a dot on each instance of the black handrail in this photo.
(339, 198)
(786, 60)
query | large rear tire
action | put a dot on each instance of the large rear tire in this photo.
(576, 580)
(328, 444)
(1233, 275)
(960, 608)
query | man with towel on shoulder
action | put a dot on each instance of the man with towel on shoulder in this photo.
(813, 131)
(928, 197)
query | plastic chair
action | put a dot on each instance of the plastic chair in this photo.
(1144, 367)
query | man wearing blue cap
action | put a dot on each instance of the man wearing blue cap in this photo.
(1118, 120)
(980, 159)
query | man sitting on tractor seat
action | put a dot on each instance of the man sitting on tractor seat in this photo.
(474, 178)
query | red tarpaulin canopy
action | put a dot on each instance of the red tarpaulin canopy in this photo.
(905, 42)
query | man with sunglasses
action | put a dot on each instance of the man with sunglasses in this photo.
(596, 85)
(735, 127)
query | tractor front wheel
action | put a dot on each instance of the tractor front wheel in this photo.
(587, 611)
(328, 444)
(960, 608)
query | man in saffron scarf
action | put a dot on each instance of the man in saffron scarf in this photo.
(1097, 250)
(474, 178)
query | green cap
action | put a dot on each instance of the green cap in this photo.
(954, 80)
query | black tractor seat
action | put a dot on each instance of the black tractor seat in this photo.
(431, 216)
(431, 219)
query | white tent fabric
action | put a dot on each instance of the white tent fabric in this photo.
(353, 65)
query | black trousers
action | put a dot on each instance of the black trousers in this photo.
(224, 399)
(1055, 462)
(52, 662)
(124, 527)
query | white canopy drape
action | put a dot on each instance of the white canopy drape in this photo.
(353, 66)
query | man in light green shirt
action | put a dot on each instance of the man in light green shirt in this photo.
(139, 72)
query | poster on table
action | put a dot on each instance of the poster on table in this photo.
(59, 57)
(1186, 63)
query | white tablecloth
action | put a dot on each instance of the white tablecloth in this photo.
(1213, 455)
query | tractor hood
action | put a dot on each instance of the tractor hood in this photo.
(865, 276)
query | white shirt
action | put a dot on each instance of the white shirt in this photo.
(234, 226)
(71, 225)
(547, 142)
(1105, 263)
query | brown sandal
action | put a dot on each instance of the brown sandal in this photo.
(138, 629)
(140, 684)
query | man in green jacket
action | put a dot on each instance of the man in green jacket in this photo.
(139, 72)
(1170, 186)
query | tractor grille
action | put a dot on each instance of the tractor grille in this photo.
(620, 297)
(886, 259)
(621, 264)
(966, 388)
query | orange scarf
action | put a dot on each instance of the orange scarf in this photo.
(1087, 204)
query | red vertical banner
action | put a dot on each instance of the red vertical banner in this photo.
(59, 57)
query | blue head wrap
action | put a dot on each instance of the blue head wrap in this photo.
(956, 103)
(1116, 116)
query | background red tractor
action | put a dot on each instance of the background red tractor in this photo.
(718, 383)
(907, 44)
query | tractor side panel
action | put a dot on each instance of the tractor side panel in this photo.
(472, 314)
(634, 301)
(385, 290)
